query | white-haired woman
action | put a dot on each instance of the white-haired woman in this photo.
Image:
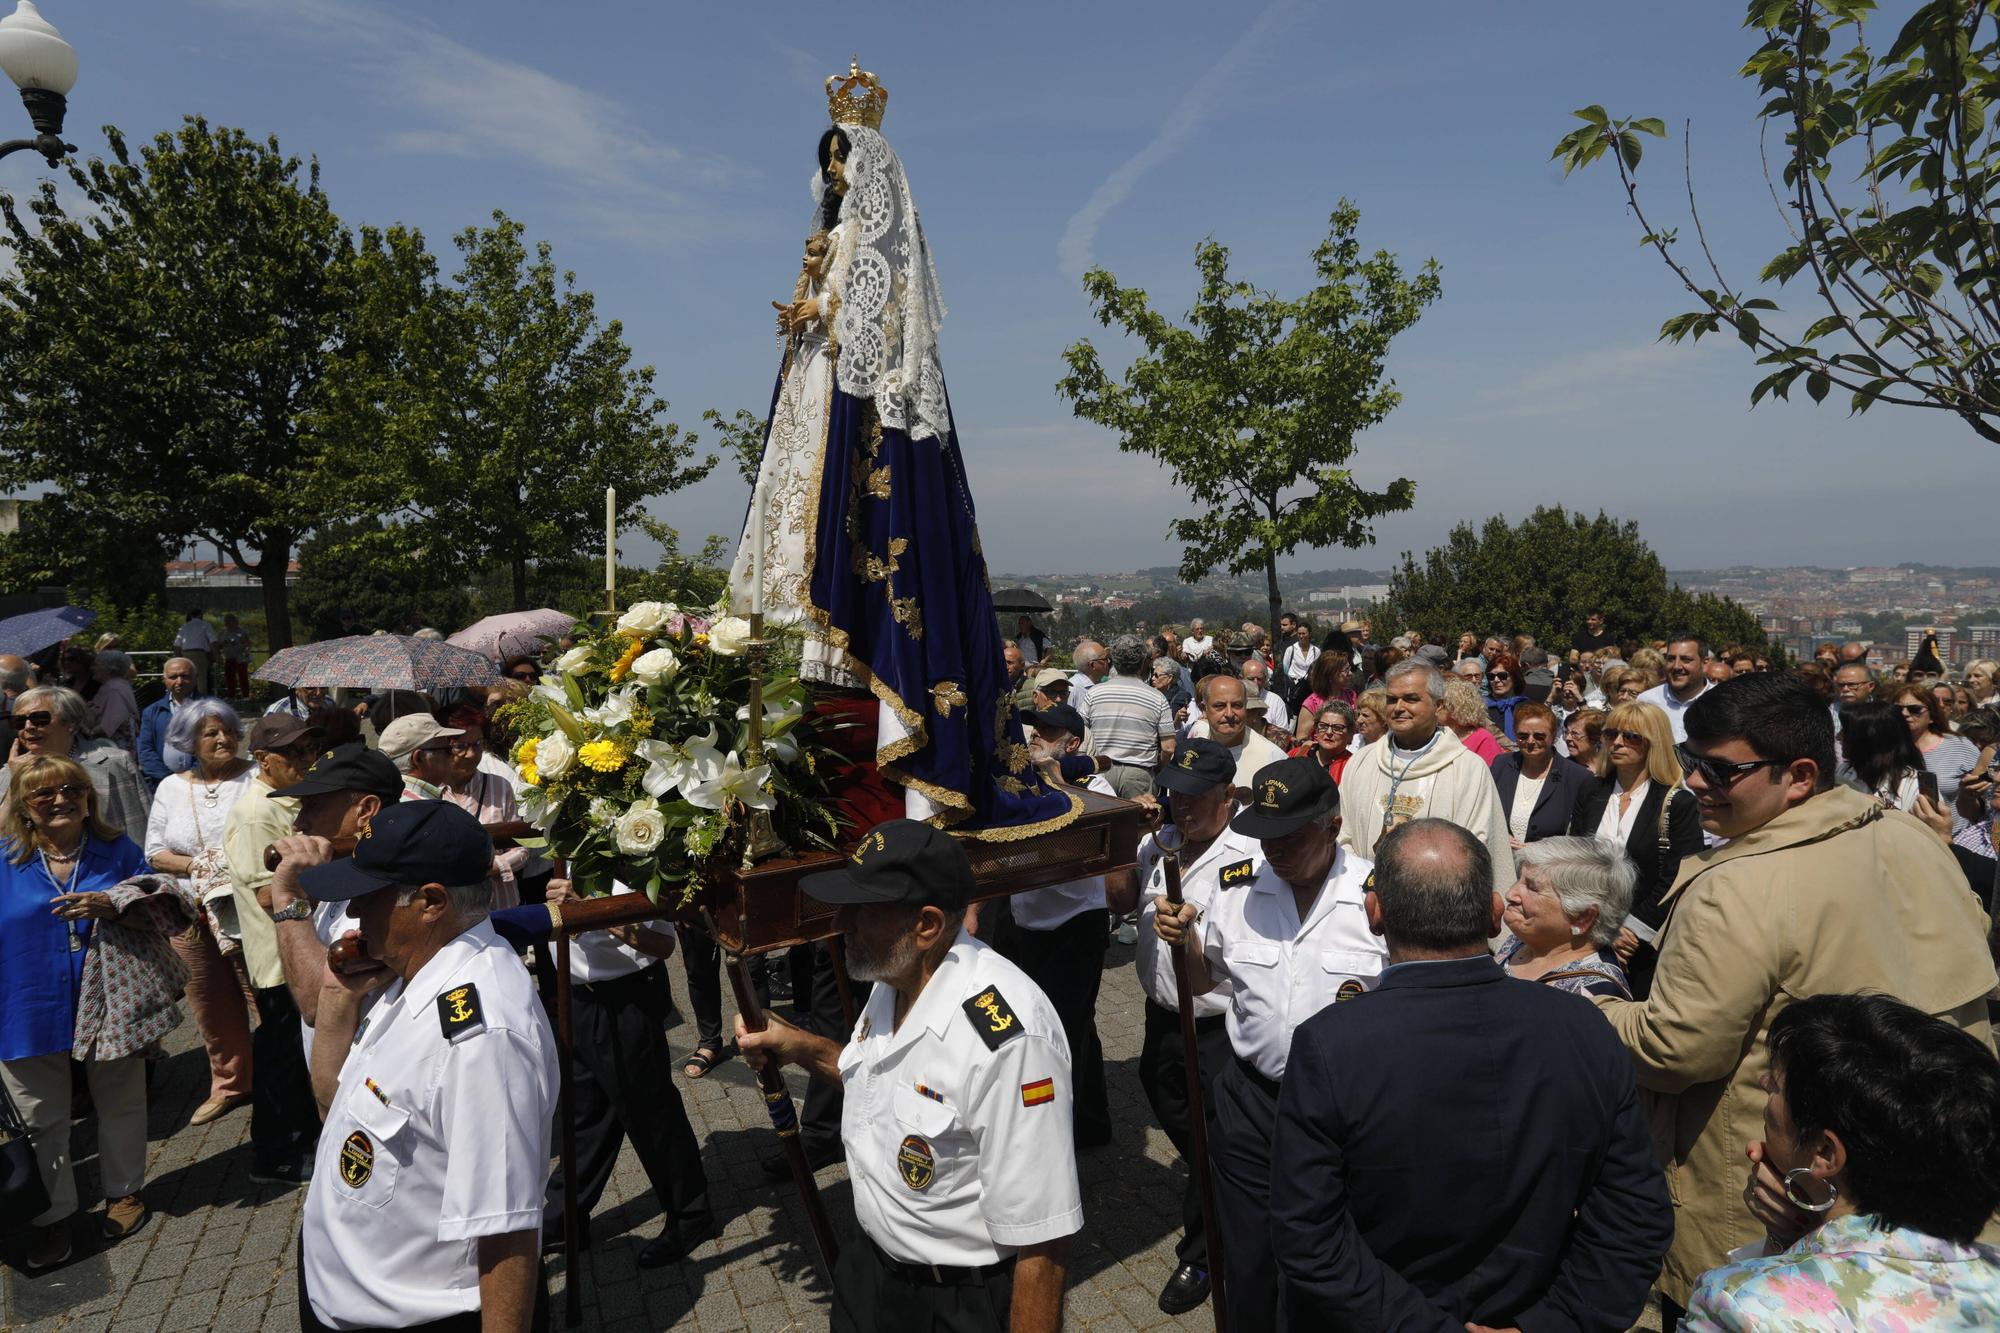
(54, 722)
(1565, 911)
(184, 839)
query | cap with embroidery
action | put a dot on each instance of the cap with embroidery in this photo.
(411, 843)
(1199, 766)
(1285, 797)
(898, 861)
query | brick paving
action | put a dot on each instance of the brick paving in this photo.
(219, 1252)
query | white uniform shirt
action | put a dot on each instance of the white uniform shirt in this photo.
(598, 955)
(449, 1144)
(1243, 857)
(1282, 971)
(1662, 696)
(957, 1124)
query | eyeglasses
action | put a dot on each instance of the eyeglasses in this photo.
(46, 796)
(1498, 675)
(1912, 710)
(526, 674)
(1330, 726)
(1721, 773)
(1629, 737)
(41, 717)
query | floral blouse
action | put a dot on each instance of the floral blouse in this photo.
(1601, 975)
(1852, 1273)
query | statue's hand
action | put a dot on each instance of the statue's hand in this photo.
(793, 317)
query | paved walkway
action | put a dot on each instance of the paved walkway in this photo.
(220, 1251)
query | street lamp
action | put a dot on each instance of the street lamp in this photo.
(43, 66)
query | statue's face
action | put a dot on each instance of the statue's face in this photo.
(836, 167)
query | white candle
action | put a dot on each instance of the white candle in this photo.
(610, 539)
(758, 499)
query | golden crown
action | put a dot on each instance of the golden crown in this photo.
(859, 100)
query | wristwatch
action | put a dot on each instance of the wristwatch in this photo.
(296, 910)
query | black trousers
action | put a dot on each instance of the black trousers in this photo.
(1068, 964)
(1163, 1074)
(820, 1012)
(702, 958)
(868, 1295)
(284, 1118)
(1246, 1114)
(622, 1083)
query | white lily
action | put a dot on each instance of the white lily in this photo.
(615, 711)
(550, 690)
(669, 766)
(778, 720)
(537, 808)
(732, 781)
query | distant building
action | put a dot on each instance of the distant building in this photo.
(1947, 640)
(218, 574)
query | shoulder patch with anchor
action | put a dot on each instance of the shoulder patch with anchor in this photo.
(458, 1011)
(1242, 872)
(992, 1019)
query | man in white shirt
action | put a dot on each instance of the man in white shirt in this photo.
(195, 640)
(956, 1115)
(1257, 679)
(1686, 681)
(1214, 858)
(1092, 663)
(1291, 942)
(1198, 643)
(1225, 718)
(427, 1195)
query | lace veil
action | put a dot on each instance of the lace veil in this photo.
(890, 306)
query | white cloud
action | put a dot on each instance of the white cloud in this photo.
(1602, 380)
(1079, 238)
(461, 102)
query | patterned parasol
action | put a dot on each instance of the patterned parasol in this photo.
(33, 631)
(379, 662)
(503, 636)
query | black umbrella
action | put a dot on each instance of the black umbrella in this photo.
(1021, 599)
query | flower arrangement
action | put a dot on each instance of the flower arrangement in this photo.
(632, 750)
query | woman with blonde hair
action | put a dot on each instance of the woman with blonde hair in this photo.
(1371, 717)
(1982, 677)
(1640, 802)
(1465, 713)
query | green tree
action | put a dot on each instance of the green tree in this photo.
(1885, 184)
(167, 351)
(741, 437)
(1256, 404)
(509, 408)
(101, 566)
(1542, 576)
(380, 573)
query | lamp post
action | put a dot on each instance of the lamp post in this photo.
(43, 66)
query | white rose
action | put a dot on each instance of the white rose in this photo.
(554, 755)
(657, 667)
(728, 635)
(641, 830)
(646, 619)
(573, 661)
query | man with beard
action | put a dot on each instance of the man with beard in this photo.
(957, 1109)
(1686, 681)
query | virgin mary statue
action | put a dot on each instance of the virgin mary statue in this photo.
(868, 524)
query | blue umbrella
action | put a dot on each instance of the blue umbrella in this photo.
(26, 635)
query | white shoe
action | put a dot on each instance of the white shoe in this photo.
(1128, 931)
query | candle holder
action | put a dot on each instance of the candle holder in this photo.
(760, 839)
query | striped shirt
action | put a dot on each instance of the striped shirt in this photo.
(1127, 719)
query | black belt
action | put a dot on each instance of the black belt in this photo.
(644, 979)
(1203, 1023)
(937, 1275)
(1256, 1077)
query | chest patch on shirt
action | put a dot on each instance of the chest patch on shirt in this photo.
(916, 1163)
(992, 1018)
(357, 1160)
(458, 1010)
(1348, 990)
(1242, 872)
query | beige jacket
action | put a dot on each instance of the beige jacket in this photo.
(1832, 895)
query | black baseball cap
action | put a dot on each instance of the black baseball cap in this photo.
(1198, 767)
(410, 843)
(1061, 716)
(899, 861)
(1285, 797)
(349, 767)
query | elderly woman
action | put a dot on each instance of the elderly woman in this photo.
(1641, 804)
(1465, 713)
(1332, 733)
(1371, 717)
(115, 707)
(1565, 911)
(1583, 735)
(1165, 677)
(1879, 1165)
(60, 859)
(52, 721)
(184, 838)
(1982, 677)
(488, 798)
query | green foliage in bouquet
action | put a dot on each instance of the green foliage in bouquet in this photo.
(632, 749)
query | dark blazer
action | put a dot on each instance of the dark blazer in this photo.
(1657, 868)
(1457, 1146)
(1556, 806)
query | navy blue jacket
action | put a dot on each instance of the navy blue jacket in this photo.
(153, 721)
(1564, 786)
(1457, 1146)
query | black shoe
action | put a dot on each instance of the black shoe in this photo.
(284, 1171)
(676, 1239)
(778, 1165)
(1185, 1290)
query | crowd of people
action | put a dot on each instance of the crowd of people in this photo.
(1748, 1062)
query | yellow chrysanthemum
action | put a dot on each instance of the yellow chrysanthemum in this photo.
(623, 666)
(699, 642)
(531, 775)
(524, 753)
(604, 756)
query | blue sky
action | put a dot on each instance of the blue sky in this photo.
(665, 149)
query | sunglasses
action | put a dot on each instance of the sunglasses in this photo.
(1912, 710)
(41, 717)
(1721, 773)
(1498, 675)
(1630, 737)
(525, 674)
(46, 796)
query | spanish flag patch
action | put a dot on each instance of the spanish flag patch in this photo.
(1041, 1090)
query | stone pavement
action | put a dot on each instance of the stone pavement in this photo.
(219, 1252)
